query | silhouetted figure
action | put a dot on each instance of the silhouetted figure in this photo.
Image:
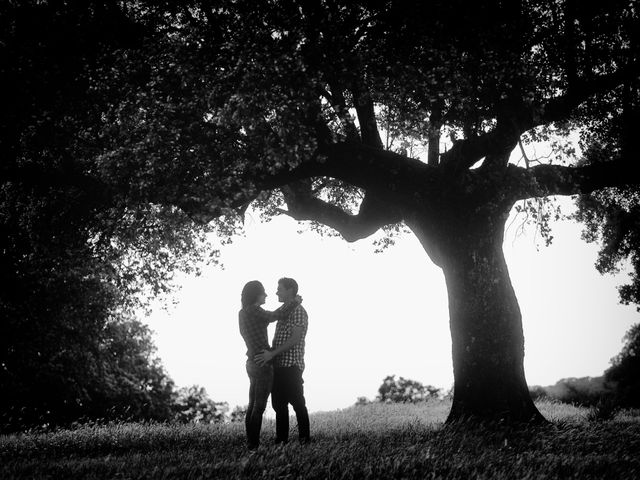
(253, 321)
(288, 361)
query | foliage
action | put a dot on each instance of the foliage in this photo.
(126, 121)
(377, 441)
(612, 218)
(220, 100)
(69, 374)
(238, 414)
(612, 215)
(405, 390)
(78, 253)
(624, 372)
(193, 405)
(584, 391)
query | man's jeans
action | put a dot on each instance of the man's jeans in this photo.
(287, 389)
(260, 381)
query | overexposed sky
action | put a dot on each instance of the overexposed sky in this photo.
(373, 315)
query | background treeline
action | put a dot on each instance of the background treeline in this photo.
(618, 387)
(402, 390)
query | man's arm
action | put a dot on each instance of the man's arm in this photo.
(266, 356)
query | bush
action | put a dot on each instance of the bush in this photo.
(405, 390)
(193, 405)
(239, 413)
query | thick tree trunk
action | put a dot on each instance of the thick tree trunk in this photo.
(486, 327)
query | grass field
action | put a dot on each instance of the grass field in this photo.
(372, 441)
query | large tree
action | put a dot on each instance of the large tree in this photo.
(320, 109)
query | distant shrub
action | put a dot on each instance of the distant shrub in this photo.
(238, 414)
(193, 405)
(403, 390)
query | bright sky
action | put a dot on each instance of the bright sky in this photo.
(373, 315)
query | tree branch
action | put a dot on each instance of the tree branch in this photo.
(339, 105)
(465, 153)
(520, 118)
(435, 124)
(362, 166)
(495, 162)
(204, 210)
(373, 213)
(367, 118)
(388, 174)
(544, 180)
(579, 91)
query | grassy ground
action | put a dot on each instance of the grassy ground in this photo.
(373, 441)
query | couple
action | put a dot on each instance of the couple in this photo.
(276, 370)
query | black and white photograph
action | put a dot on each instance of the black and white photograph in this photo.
(319, 239)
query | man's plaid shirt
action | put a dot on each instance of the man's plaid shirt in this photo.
(253, 322)
(294, 357)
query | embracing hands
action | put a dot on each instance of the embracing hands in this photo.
(263, 358)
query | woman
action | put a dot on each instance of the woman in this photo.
(253, 320)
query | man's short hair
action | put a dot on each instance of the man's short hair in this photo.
(289, 284)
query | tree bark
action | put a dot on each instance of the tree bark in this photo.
(486, 326)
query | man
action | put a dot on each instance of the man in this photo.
(288, 362)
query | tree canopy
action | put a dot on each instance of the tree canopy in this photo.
(72, 270)
(164, 121)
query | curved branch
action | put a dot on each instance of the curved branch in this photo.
(361, 166)
(390, 175)
(519, 118)
(373, 214)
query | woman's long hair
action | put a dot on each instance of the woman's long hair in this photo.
(250, 293)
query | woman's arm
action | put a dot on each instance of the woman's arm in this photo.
(263, 315)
